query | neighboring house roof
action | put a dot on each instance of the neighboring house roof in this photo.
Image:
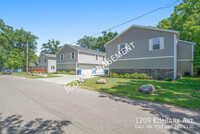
(50, 55)
(78, 48)
(143, 27)
(32, 64)
(188, 42)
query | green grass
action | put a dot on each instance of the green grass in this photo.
(23, 74)
(184, 92)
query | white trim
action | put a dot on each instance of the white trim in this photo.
(185, 60)
(63, 56)
(67, 63)
(144, 58)
(91, 52)
(175, 56)
(126, 44)
(188, 42)
(192, 69)
(71, 55)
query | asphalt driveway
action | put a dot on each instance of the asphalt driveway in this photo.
(35, 106)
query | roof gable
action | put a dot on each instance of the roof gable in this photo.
(143, 27)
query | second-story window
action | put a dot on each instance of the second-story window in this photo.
(73, 55)
(103, 58)
(45, 60)
(62, 57)
(96, 57)
(156, 43)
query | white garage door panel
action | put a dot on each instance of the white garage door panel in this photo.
(85, 69)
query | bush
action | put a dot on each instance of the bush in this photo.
(159, 78)
(168, 79)
(130, 76)
(72, 72)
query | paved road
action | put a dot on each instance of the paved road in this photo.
(35, 106)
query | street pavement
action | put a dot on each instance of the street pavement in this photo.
(35, 106)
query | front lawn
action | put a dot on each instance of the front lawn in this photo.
(184, 92)
(23, 74)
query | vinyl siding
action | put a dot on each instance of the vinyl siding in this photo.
(184, 57)
(87, 58)
(166, 63)
(67, 55)
(184, 51)
(141, 38)
(66, 66)
(51, 62)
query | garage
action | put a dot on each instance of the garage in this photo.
(87, 69)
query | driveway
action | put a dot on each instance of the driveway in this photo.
(35, 106)
(64, 79)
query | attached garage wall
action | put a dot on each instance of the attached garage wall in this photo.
(185, 66)
(66, 67)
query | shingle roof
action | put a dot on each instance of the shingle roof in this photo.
(50, 55)
(85, 49)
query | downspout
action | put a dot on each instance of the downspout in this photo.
(175, 56)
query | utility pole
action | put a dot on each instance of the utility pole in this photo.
(27, 58)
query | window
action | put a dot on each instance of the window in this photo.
(96, 57)
(45, 60)
(156, 43)
(62, 57)
(121, 47)
(52, 67)
(103, 58)
(72, 55)
(39, 60)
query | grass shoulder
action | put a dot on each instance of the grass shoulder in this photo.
(183, 92)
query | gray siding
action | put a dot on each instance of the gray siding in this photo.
(49, 62)
(66, 66)
(184, 51)
(67, 55)
(141, 37)
(185, 58)
(165, 63)
(185, 66)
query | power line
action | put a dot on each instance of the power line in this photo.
(163, 7)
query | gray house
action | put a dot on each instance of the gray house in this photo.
(48, 61)
(158, 52)
(72, 58)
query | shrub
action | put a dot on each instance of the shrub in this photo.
(59, 72)
(151, 78)
(129, 76)
(159, 78)
(168, 79)
(72, 72)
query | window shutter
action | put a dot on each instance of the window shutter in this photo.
(151, 44)
(162, 43)
(118, 48)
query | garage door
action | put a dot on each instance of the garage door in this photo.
(86, 69)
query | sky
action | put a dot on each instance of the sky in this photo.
(69, 20)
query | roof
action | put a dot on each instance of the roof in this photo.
(32, 64)
(50, 55)
(78, 48)
(188, 42)
(143, 27)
